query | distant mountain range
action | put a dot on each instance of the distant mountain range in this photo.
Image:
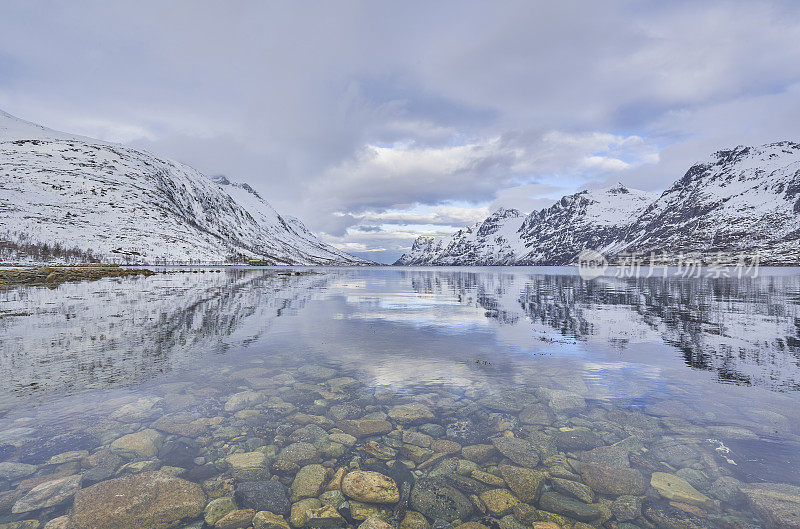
(113, 202)
(740, 201)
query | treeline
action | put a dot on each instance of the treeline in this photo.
(21, 247)
(17, 246)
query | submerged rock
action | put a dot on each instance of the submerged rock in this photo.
(48, 494)
(411, 413)
(268, 520)
(519, 451)
(499, 501)
(238, 519)
(218, 508)
(438, 500)
(560, 504)
(270, 496)
(677, 489)
(151, 500)
(778, 504)
(308, 482)
(526, 484)
(370, 487)
(144, 444)
(324, 517)
(616, 481)
(365, 427)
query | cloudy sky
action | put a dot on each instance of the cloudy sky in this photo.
(375, 121)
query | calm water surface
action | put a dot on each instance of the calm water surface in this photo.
(606, 385)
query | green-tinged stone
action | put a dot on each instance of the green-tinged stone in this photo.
(677, 489)
(218, 508)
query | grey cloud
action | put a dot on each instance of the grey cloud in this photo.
(290, 96)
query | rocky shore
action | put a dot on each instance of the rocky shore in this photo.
(275, 446)
(49, 275)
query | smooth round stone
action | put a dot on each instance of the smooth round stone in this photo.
(370, 487)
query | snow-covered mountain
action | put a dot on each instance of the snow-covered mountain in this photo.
(490, 242)
(740, 201)
(552, 236)
(125, 203)
(589, 219)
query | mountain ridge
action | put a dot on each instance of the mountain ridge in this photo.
(120, 203)
(740, 201)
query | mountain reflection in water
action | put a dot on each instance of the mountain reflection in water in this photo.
(610, 384)
(118, 332)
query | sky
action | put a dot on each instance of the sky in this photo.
(376, 122)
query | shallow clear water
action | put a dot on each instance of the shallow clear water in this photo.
(695, 378)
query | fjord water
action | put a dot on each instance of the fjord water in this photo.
(608, 385)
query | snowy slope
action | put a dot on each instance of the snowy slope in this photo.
(555, 235)
(128, 204)
(741, 201)
(490, 242)
(589, 219)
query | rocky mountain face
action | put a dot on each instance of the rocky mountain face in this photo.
(740, 201)
(743, 200)
(552, 236)
(118, 203)
(589, 219)
(491, 242)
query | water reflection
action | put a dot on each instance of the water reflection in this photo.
(745, 330)
(228, 379)
(114, 332)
